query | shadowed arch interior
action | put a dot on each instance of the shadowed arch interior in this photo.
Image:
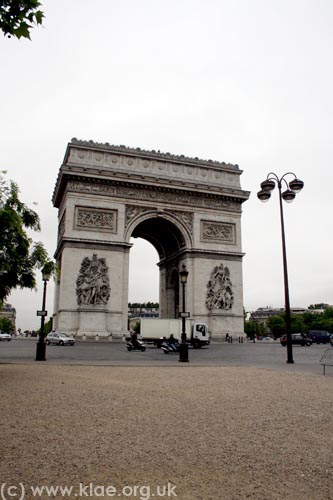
(162, 234)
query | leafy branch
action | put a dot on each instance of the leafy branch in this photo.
(17, 17)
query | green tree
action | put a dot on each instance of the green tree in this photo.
(277, 325)
(297, 324)
(17, 17)
(253, 329)
(321, 305)
(47, 327)
(6, 325)
(19, 255)
(328, 313)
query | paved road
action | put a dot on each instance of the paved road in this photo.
(265, 355)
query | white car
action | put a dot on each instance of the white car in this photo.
(58, 338)
(5, 336)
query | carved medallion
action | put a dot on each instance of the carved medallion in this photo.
(93, 284)
(219, 289)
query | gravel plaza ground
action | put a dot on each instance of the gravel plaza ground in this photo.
(179, 431)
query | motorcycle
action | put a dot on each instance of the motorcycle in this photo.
(168, 348)
(135, 346)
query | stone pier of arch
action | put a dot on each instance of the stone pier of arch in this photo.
(188, 209)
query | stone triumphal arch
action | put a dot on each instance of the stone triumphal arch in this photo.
(188, 209)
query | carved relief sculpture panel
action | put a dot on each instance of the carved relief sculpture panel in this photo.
(219, 289)
(95, 219)
(222, 232)
(93, 284)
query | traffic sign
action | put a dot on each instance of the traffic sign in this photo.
(41, 313)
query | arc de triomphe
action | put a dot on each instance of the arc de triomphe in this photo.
(188, 209)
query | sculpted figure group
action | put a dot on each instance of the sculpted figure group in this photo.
(92, 284)
(219, 289)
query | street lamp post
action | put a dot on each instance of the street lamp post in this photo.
(183, 348)
(293, 187)
(41, 345)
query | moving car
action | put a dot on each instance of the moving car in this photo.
(5, 336)
(57, 338)
(297, 339)
(319, 336)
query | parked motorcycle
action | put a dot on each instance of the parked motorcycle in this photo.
(135, 346)
(168, 348)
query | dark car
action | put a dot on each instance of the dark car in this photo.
(319, 336)
(297, 339)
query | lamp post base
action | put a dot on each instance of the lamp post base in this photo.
(183, 353)
(40, 351)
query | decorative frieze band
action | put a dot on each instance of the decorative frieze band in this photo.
(221, 232)
(96, 219)
(145, 194)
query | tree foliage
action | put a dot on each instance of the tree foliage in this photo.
(253, 329)
(6, 325)
(17, 17)
(47, 327)
(302, 323)
(19, 255)
(321, 305)
(143, 305)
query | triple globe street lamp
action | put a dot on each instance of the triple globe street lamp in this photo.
(288, 195)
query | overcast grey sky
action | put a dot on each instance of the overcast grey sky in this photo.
(246, 82)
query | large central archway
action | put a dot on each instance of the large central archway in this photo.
(169, 241)
(188, 209)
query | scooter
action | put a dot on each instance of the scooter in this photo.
(169, 348)
(138, 346)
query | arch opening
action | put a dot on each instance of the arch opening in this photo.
(162, 234)
(143, 271)
(168, 241)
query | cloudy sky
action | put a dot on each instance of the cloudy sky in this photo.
(245, 82)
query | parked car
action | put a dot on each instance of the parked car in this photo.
(297, 339)
(319, 336)
(5, 336)
(57, 338)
